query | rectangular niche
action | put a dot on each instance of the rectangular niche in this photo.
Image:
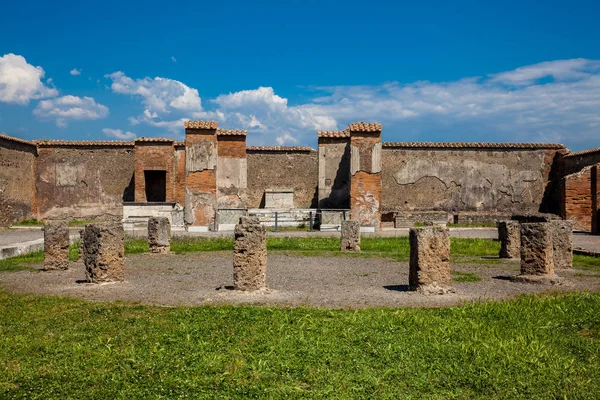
(156, 186)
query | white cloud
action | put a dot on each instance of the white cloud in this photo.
(173, 59)
(70, 107)
(119, 134)
(21, 82)
(285, 139)
(75, 72)
(559, 70)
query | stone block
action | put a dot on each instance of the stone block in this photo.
(159, 235)
(562, 243)
(537, 252)
(430, 260)
(509, 233)
(250, 255)
(56, 245)
(103, 252)
(350, 236)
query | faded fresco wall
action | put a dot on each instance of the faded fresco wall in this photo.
(84, 182)
(17, 182)
(483, 180)
(283, 169)
(334, 173)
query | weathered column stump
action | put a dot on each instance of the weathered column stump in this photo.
(562, 242)
(430, 260)
(509, 233)
(103, 252)
(250, 255)
(56, 245)
(159, 235)
(537, 254)
(350, 236)
(81, 233)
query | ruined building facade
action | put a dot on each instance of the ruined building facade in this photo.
(212, 177)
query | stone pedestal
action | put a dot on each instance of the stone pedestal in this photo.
(56, 245)
(103, 252)
(430, 260)
(562, 243)
(159, 235)
(537, 254)
(250, 255)
(350, 236)
(509, 233)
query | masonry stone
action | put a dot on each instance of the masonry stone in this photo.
(250, 255)
(509, 233)
(430, 260)
(56, 245)
(159, 235)
(537, 254)
(562, 242)
(103, 252)
(350, 236)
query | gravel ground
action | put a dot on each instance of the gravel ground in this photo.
(329, 282)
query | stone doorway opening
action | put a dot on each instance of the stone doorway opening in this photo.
(156, 186)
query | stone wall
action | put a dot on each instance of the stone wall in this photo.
(84, 181)
(283, 168)
(232, 169)
(579, 199)
(451, 179)
(154, 155)
(17, 182)
(334, 173)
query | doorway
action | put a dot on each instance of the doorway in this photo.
(156, 186)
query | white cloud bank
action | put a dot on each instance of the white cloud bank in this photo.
(549, 101)
(70, 107)
(119, 134)
(21, 82)
(75, 72)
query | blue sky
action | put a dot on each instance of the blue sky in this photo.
(429, 70)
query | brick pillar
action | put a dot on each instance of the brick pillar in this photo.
(200, 174)
(154, 154)
(365, 174)
(334, 169)
(232, 169)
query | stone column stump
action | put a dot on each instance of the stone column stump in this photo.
(562, 242)
(56, 245)
(350, 236)
(537, 254)
(509, 233)
(430, 260)
(159, 235)
(250, 255)
(103, 252)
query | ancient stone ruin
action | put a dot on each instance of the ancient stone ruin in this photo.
(562, 242)
(56, 245)
(104, 252)
(537, 254)
(159, 235)
(250, 255)
(509, 233)
(430, 260)
(350, 236)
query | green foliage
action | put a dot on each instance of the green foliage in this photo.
(21, 262)
(587, 263)
(536, 347)
(29, 222)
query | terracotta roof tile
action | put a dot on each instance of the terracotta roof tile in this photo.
(472, 145)
(201, 125)
(17, 140)
(279, 148)
(115, 143)
(365, 127)
(583, 152)
(334, 134)
(179, 144)
(231, 132)
(153, 139)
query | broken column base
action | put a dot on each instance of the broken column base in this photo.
(433, 289)
(160, 249)
(539, 279)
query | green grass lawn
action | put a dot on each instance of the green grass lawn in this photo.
(532, 348)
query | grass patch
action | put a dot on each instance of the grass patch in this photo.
(536, 347)
(465, 276)
(29, 222)
(22, 262)
(586, 263)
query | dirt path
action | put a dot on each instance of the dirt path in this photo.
(337, 282)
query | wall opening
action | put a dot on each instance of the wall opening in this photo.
(156, 186)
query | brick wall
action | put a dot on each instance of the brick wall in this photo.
(154, 156)
(578, 198)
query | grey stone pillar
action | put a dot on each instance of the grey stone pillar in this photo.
(350, 236)
(509, 233)
(562, 243)
(103, 252)
(250, 255)
(159, 235)
(430, 260)
(537, 254)
(56, 245)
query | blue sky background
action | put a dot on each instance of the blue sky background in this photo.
(429, 70)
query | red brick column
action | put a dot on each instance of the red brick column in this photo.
(154, 154)
(200, 173)
(365, 174)
(232, 169)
